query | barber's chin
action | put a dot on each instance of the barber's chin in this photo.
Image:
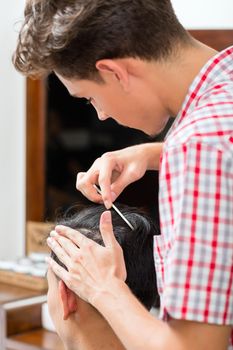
(159, 130)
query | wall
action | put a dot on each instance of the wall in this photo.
(193, 15)
(205, 14)
(12, 137)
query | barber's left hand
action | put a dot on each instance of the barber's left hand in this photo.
(91, 267)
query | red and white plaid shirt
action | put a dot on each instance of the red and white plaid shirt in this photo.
(194, 253)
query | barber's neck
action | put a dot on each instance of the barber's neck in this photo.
(88, 330)
(171, 79)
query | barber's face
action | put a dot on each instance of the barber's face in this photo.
(55, 305)
(110, 101)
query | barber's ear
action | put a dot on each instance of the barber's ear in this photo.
(68, 299)
(109, 69)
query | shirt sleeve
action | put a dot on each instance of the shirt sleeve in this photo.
(194, 254)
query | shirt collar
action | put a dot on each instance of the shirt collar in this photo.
(218, 69)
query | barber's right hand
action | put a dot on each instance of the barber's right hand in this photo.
(114, 171)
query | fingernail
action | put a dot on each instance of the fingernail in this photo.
(114, 196)
(107, 216)
(58, 229)
(53, 233)
(107, 204)
(50, 241)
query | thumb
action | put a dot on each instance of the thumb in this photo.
(106, 229)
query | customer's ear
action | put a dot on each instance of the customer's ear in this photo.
(68, 300)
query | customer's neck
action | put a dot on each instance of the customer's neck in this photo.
(90, 331)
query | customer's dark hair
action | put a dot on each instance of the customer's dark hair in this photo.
(137, 245)
(70, 36)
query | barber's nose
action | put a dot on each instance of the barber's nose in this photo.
(101, 115)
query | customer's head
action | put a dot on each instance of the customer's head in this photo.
(70, 36)
(137, 246)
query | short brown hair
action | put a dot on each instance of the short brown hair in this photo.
(70, 36)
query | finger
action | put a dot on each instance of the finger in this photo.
(108, 170)
(60, 272)
(58, 251)
(75, 236)
(84, 184)
(69, 247)
(82, 258)
(67, 252)
(106, 229)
